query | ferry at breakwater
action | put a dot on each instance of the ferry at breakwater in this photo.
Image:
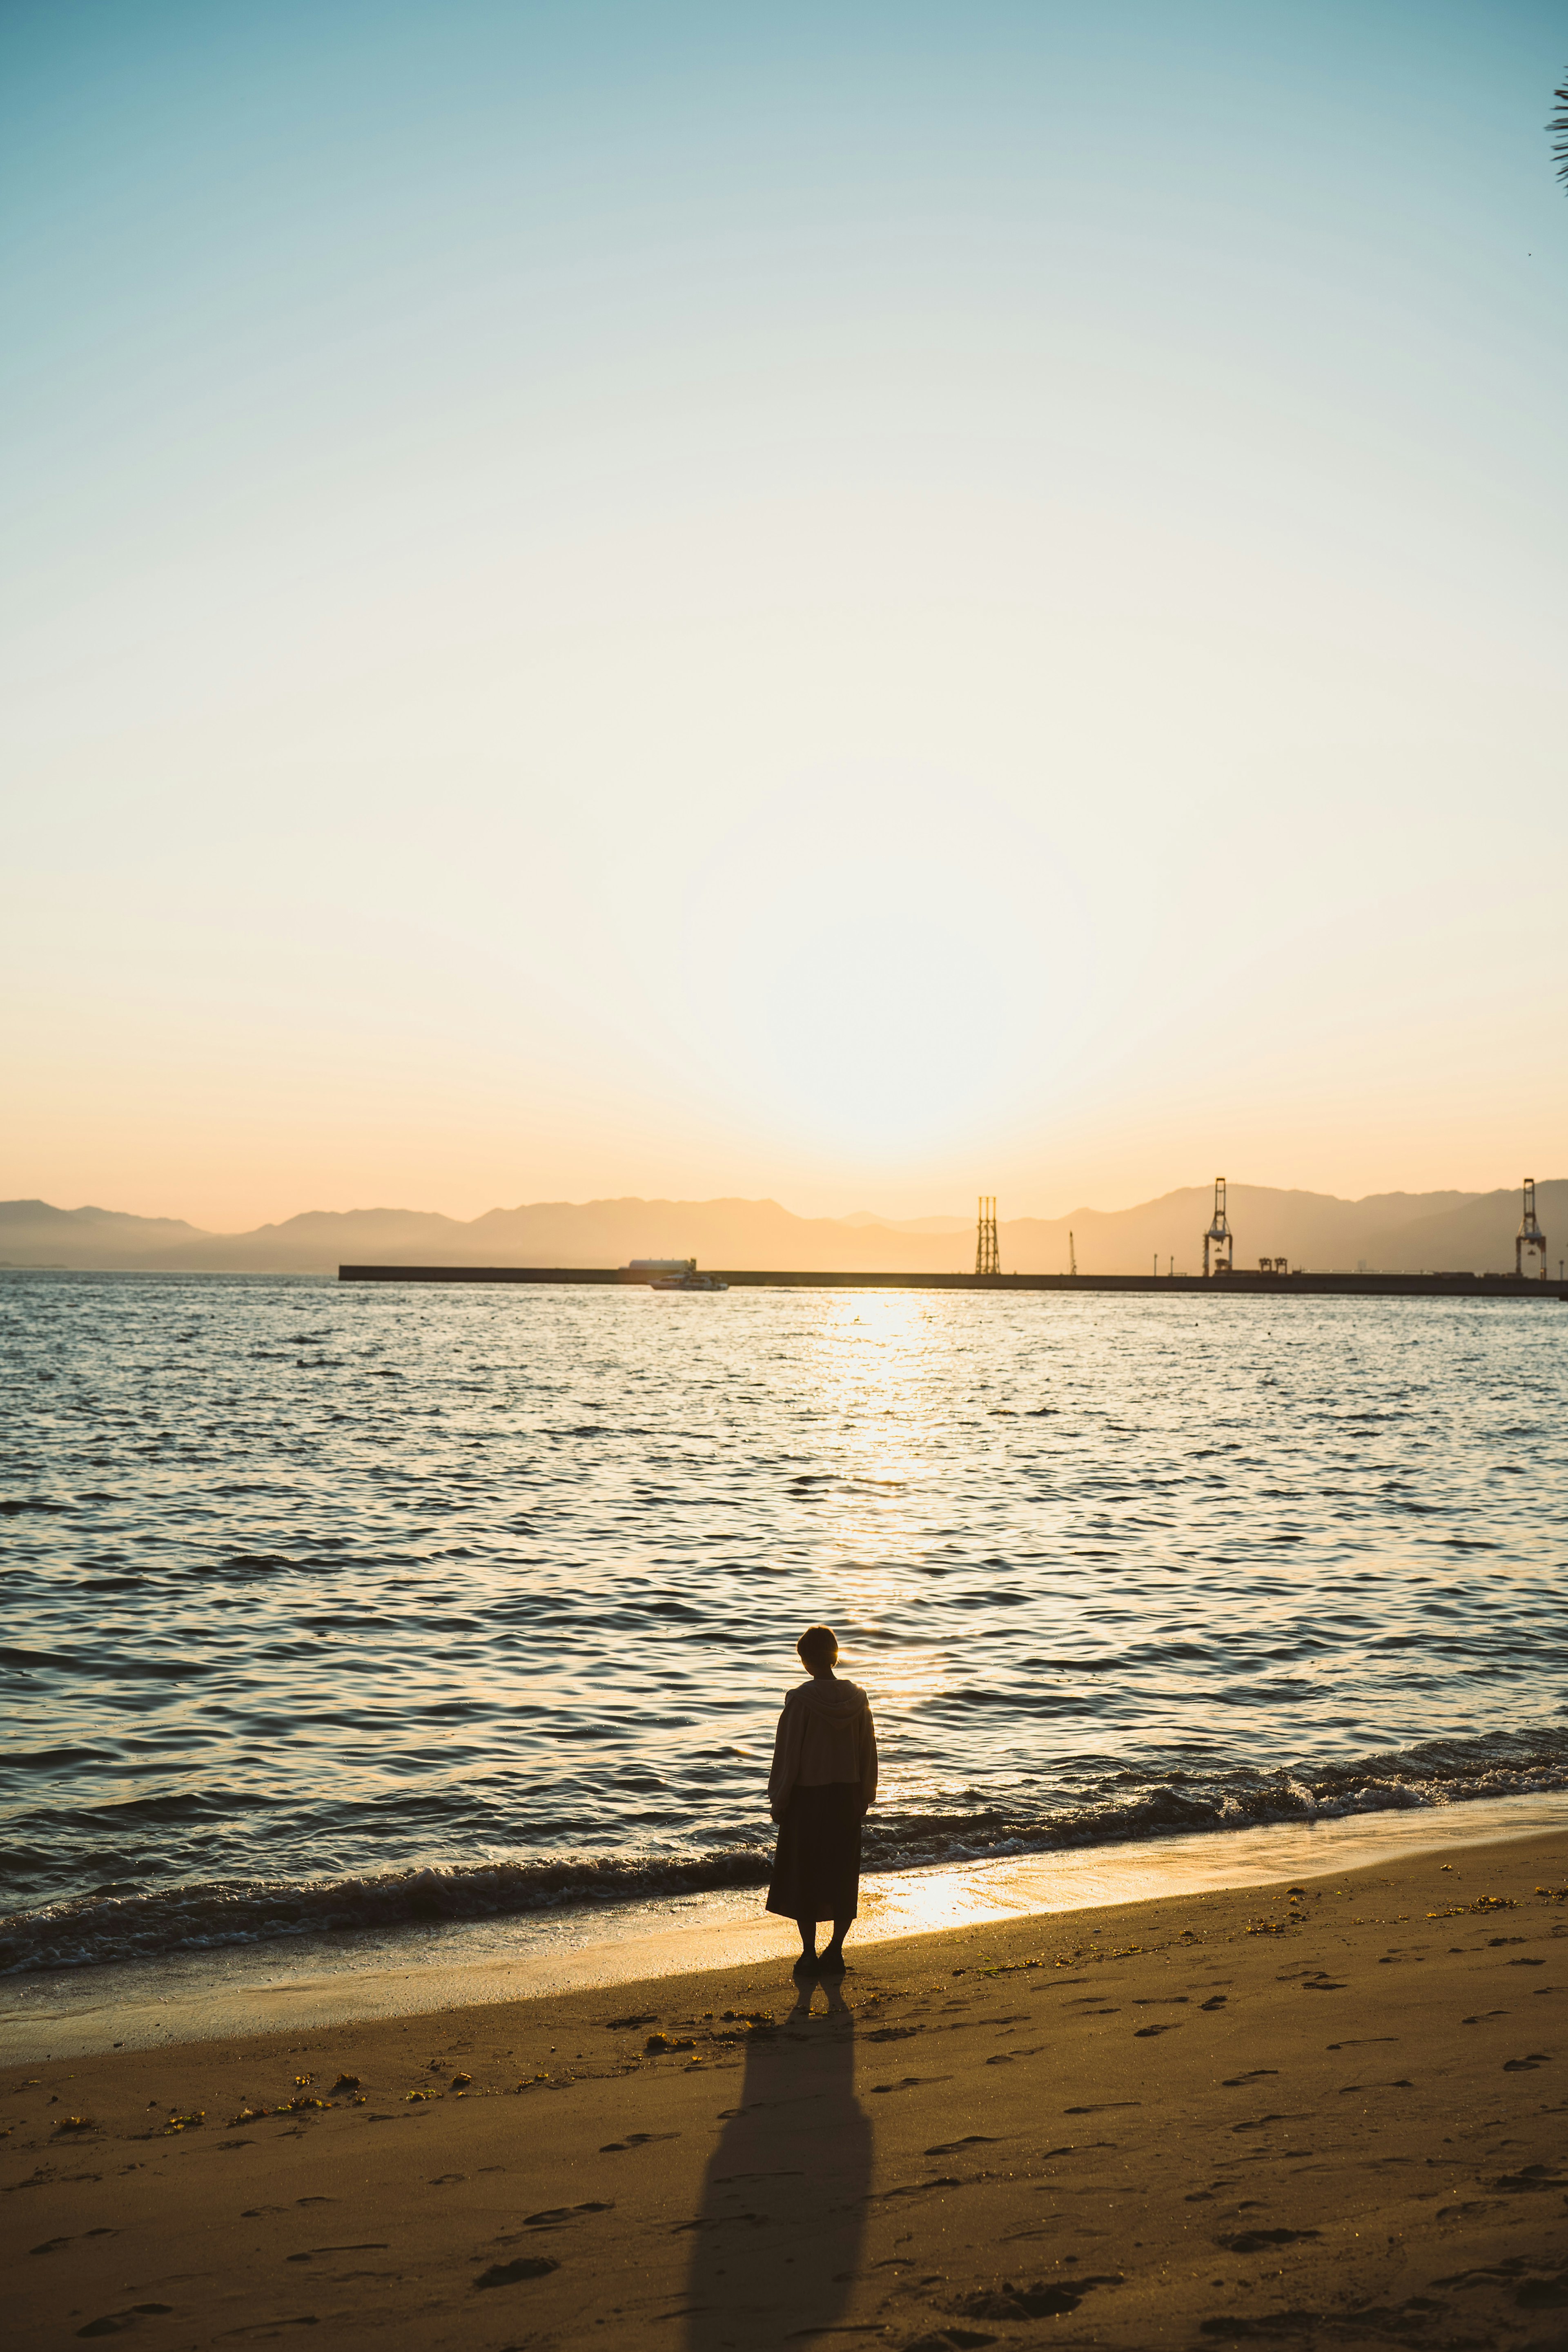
(1227, 1284)
(674, 1273)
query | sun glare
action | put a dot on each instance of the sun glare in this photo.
(876, 1358)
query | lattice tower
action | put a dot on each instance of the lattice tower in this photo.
(988, 1252)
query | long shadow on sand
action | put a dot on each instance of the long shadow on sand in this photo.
(783, 2204)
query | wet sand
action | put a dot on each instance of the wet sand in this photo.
(1225, 2116)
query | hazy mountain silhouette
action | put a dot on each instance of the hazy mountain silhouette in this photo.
(1389, 1231)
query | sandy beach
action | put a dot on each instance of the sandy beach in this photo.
(1331, 2112)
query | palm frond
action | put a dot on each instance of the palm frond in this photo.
(1558, 128)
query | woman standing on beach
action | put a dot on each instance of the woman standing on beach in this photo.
(822, 1784)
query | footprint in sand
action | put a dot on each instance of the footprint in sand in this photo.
(270, 2327)
(1256, 2242)
(1042, 2301)
(1147, 2033)
(527, 2267)
(634, 2139)
(1234, 2082)
(1542, 2294)
(1526, 2065)
(115, 2323)
(372, 2246)
(1534, 2175)
(909, 2082)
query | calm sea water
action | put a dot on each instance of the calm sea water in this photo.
(326, 1607)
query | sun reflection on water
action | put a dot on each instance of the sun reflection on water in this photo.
(872, 1367)
(881, 1367)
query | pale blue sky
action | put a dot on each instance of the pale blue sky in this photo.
(861, 603)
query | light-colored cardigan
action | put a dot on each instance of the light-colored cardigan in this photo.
(825, 1734)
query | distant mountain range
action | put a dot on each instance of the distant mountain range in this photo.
(1387, 1232)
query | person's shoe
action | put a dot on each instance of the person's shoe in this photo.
(831, 1964)
(807, 1964)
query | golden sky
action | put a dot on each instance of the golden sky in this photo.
(862, 606)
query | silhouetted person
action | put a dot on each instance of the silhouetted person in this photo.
(821, 1786)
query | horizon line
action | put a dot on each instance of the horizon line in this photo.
(960, 1219)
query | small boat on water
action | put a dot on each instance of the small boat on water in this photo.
(681, 1274)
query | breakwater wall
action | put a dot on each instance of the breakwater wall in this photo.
(1220, 1285)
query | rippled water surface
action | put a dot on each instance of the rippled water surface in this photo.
(327, 1605)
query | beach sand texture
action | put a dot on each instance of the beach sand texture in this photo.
(1337, 2117)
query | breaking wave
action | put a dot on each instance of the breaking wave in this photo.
(145, 1924)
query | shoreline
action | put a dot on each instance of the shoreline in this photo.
(1326, 2111)
(320, 1982)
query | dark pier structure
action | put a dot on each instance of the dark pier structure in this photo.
(1240, 1284)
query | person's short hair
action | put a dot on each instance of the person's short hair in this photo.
(818, 1646)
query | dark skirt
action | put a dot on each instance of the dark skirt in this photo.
(817, 1869)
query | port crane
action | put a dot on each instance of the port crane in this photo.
(1219, 1233)
(1529, 1235)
